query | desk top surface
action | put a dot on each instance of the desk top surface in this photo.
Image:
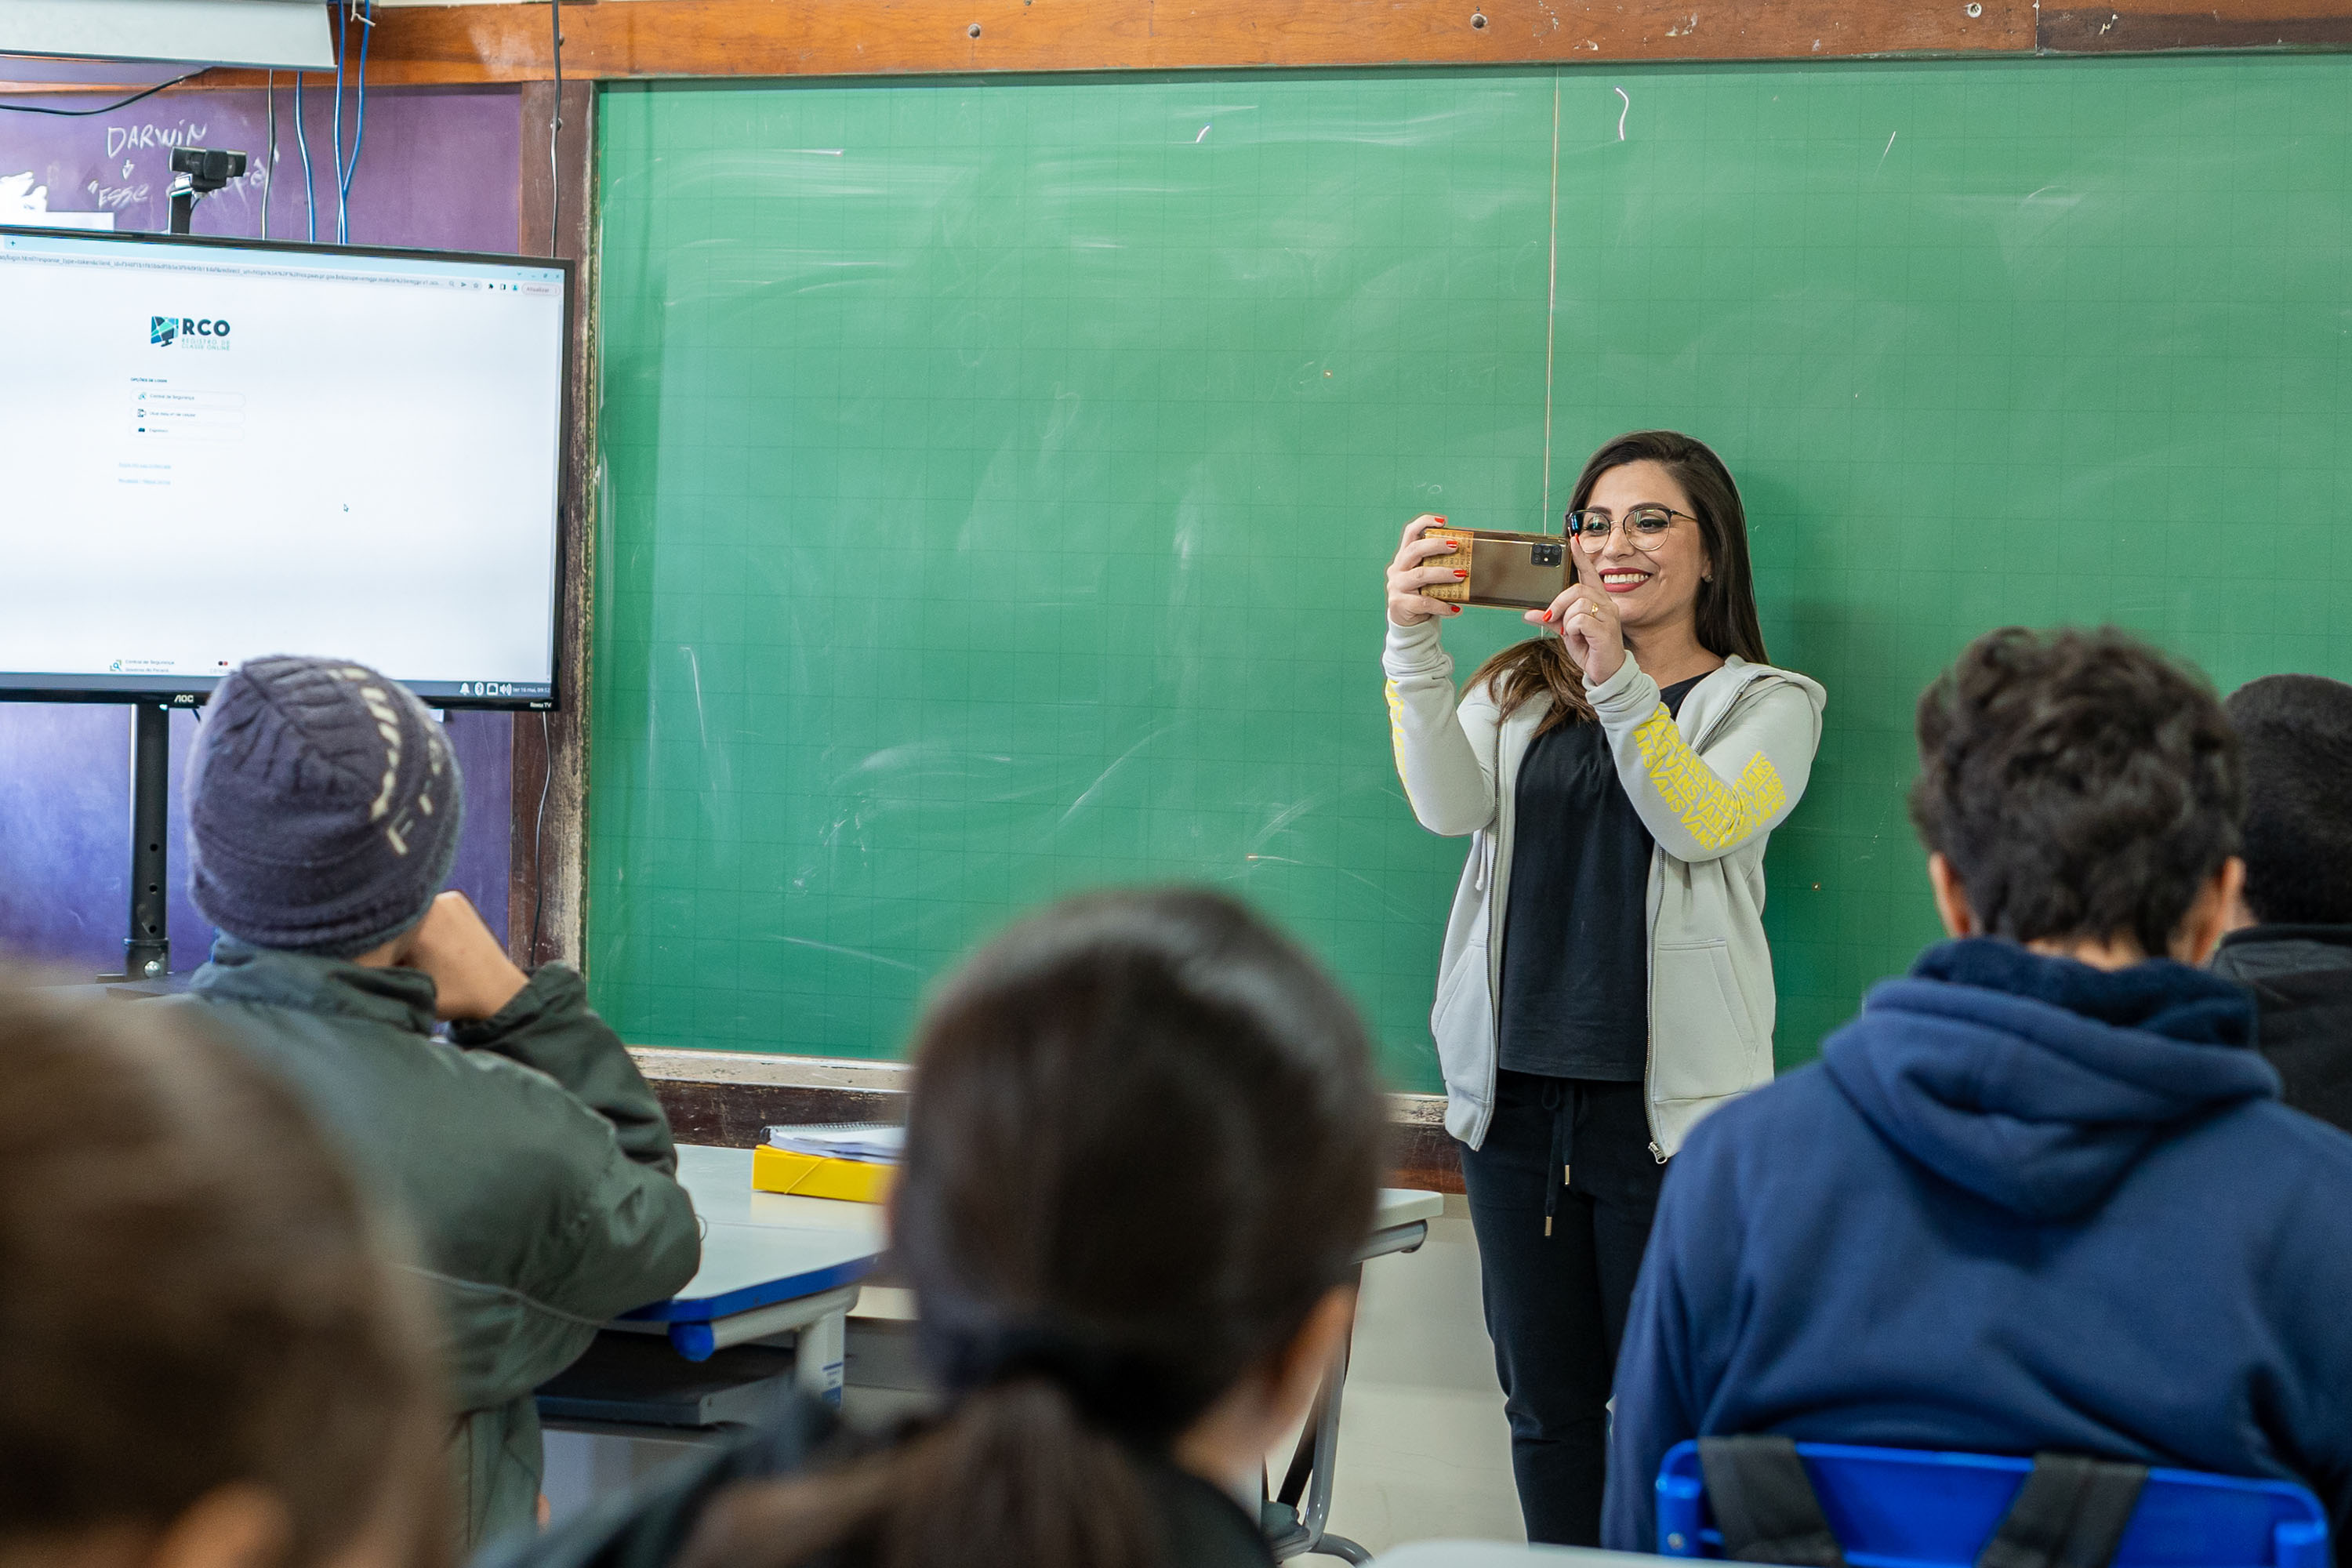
(759, 1249)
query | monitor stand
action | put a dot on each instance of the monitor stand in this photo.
(147, 951)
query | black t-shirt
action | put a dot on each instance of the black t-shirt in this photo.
(1576, 944)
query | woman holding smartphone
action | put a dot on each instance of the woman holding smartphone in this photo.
(1605, 981)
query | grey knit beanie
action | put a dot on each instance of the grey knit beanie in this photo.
(323, 807)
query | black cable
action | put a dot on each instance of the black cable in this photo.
(104, 108)
(555, 130)
(538, 824)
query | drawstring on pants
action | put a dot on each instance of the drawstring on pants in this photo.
(1564, 1102)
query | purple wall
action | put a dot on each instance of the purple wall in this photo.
(439, 170)
(65, 831)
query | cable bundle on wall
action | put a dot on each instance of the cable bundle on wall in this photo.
(365, 11)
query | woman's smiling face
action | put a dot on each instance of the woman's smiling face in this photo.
(1650, 589)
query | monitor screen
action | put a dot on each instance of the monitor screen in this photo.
(211, 450)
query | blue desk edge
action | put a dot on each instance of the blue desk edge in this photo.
(709, 1309)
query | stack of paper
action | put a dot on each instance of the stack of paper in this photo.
(872, 1142)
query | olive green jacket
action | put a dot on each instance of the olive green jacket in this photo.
(532, 1163)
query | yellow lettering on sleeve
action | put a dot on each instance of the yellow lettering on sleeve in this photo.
(1716, 815)
(1396, 742)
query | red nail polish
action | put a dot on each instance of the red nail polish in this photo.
(1441, 519)
(1546, 617)
(1459, 572)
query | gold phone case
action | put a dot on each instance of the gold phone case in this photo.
(1508, 571)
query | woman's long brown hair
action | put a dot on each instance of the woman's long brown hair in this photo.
(1142, 1144)
(1725, 612)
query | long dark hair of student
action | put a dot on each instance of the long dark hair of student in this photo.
(193, 1298)
(1144, 1141)
(1725, 612)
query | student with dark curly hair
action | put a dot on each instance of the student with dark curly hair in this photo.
(2291, 944)
(2041, 1196)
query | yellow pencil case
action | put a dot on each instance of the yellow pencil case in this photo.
(776, 1170)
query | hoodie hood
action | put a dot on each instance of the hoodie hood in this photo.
(2261, 952)
(2036, 1082)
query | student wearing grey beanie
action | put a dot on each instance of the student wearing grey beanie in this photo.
(531, 1160)
(324, 808)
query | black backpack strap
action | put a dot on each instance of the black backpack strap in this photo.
(2069, 1513)
(1764, 1503)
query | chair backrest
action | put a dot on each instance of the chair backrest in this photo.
(1498, 1554)
(1909, 1508)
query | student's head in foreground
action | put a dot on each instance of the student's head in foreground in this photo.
(2296, 732)
(204, 1361)
(324, 808)
(2080, 794)
(1142, 1151)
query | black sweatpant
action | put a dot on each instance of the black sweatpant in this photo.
(1570, 1156)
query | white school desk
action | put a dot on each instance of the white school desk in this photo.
(774, 1265)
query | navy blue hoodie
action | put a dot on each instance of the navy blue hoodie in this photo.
(2020, 1203)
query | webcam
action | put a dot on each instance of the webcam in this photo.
(207, 168)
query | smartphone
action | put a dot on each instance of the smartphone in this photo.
(1508, 571)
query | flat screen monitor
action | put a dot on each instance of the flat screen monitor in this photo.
(214, 450)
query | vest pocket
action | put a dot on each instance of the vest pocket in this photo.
(1701, 1040)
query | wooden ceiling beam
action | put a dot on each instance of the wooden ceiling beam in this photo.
(509, 41)
(629, 39)
(2136, 27)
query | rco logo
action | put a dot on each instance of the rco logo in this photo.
(165, 331)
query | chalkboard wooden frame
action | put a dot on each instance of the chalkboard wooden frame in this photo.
(544, 906)
(728, 1098)
(656, 39)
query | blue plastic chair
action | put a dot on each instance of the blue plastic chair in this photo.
(1908, 1507)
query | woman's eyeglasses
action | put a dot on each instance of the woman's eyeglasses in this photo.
(1645, 526)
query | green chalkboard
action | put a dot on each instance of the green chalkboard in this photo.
(1000, 471)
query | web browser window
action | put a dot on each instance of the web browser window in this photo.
(211, 453)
